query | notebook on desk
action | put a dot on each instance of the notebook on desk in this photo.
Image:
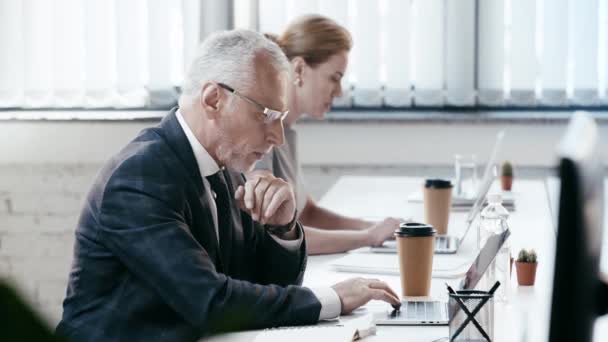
(351, 331)
(453, 266)
(462, 204)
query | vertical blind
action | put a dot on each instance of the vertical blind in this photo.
(407, 53)
(466, 52)
(94, 53)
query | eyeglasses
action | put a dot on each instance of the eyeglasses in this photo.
(270, 115)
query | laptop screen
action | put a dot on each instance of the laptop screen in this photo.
(476, 208)
(484, 259)
(488, 178)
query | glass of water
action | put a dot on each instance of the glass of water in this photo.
(465, 170)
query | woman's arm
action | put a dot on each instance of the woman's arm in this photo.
(321, 241)
(315, 216)
(324, 241)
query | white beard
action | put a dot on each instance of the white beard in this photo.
(233, 160)
(228, 152)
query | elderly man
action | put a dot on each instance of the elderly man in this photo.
(173, 244)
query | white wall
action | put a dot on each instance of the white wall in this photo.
(528, 143)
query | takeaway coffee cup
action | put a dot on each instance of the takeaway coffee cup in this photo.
(437, 204)
(415, 246)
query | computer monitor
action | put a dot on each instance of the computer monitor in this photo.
(577, 288)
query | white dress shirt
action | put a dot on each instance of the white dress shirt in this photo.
(330, 302)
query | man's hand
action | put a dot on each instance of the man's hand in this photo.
(356, 292)
(382, 231)
(268, 199)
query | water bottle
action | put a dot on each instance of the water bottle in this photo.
(494, 221)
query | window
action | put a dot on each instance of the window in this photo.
(466, 53)
(94, 53)
(407, 53)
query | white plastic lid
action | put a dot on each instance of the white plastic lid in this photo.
(495, 198)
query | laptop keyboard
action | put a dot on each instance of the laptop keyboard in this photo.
(444, 243)
(421, 311)
(441, 243)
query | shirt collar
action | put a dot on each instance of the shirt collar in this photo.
(206, 164)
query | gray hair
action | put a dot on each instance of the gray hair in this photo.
(228, 57)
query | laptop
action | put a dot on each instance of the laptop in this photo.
(435, 312)
(449, 244)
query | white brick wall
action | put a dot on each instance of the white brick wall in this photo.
(39, 207)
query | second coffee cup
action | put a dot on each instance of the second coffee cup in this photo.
(415, 247)
(437, 204)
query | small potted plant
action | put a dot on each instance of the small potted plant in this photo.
(526, 267)
(506, 176)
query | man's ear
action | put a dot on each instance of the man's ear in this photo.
(211, 99)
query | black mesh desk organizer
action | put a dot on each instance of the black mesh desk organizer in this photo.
(471, 314)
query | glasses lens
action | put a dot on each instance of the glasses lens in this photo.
(273, 115)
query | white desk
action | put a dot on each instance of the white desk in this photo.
(531, 226)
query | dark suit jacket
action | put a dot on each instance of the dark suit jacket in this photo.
(147, 265)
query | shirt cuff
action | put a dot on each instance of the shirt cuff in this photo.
(290, 245)
(331, 306)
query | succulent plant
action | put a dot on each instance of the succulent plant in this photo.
(507, 169)
(527, 256)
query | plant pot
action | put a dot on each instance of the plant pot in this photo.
(526, 273)
(506, 182)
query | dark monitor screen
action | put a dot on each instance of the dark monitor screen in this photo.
(574, 302)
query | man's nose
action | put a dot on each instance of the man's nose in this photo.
(275, 133)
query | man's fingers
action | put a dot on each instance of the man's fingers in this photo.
(263, 198)
(277, 200)
(271, 192)
(380, 285)
(253, 192)
(249, 193)
(383, 295)
(393, 300)
(239, 195)
(260, 191)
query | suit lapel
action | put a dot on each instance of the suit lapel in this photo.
(178, 142)
(208, 231)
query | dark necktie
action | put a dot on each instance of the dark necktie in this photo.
(224, 215)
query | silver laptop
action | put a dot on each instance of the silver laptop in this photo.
(449, 244)
(434, 312)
